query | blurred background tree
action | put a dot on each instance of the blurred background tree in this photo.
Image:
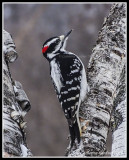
(30, 25)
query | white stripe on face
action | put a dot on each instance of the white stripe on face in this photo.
(50, 42)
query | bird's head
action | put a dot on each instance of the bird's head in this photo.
(53, 45)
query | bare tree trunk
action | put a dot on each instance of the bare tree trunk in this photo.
(118, 120)
(15, 106)
(103, 75)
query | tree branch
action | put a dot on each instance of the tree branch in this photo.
(15, 106)
(118, 120)
(103, 74)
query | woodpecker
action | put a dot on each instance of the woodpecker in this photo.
(69, 78)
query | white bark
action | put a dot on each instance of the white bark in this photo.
(15, 106)
(103, 74)
(118, 121)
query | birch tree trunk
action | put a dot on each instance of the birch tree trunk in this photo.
(15, 105)
(118, 121)
(103, 75)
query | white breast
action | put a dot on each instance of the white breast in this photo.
(56, 75)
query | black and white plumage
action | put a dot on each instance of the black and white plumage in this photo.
(69, 79)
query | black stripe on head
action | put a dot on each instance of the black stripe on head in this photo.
(49, 40)
(52, 44)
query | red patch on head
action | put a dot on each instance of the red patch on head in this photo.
(44, 49)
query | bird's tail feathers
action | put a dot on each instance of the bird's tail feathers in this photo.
(74, 133)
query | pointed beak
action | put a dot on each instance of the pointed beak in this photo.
(68, 33)
(63, 37)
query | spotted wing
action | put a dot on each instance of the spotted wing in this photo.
(70, 91)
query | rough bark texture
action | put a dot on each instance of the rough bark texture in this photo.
(103, 73)
(118, 120)
(15, 106)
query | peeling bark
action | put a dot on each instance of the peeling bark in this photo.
(103, 74)
(15, 106)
